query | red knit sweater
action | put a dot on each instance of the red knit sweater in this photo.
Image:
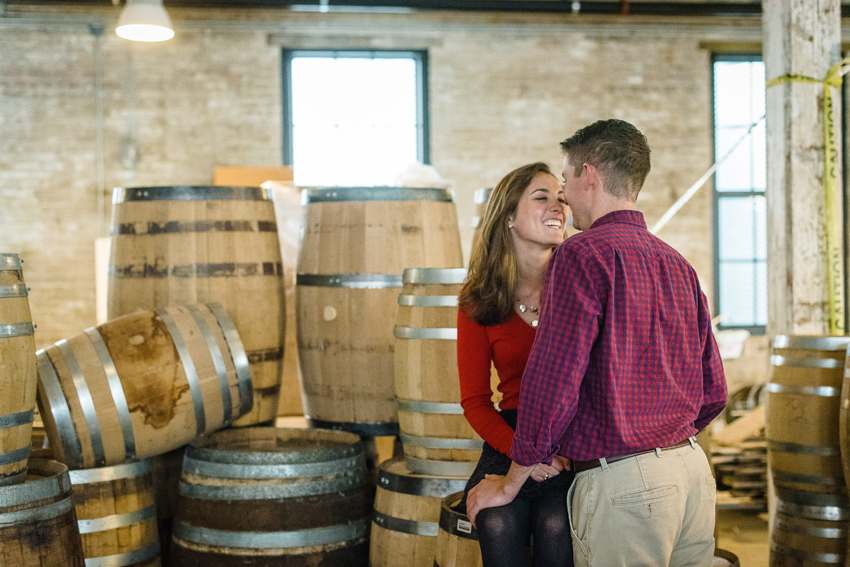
(508, 346)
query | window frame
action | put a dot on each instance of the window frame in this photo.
(420, 57)
(717, 195)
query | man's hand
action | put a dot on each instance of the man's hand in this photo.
(496, 490)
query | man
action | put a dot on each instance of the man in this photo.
(623, 373)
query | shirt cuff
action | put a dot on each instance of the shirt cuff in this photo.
(527, 453)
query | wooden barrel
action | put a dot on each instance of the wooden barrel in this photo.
(405, 521)
(802, 421)
(116, 515)
(266, 496)
(436, 437)
(355, 244)
(184, 245)
(480, 199)
(457, 540)
(809, 529)
(142, 385)
(723, 558)
(38, 525)
(17, 371)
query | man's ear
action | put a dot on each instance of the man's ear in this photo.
(593, 177)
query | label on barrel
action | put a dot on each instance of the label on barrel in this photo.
(464, 526)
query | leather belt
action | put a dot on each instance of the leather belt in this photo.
(581, 466)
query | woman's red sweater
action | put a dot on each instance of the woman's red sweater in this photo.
(508, 346)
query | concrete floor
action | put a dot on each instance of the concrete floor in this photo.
(745, 535)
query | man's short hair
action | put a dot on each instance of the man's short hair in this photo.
(617, 149)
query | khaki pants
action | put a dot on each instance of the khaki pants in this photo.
(654, 510)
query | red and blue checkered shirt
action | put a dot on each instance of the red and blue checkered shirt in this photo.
(624, 359)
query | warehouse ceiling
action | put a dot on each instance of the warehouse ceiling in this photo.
(721, 8)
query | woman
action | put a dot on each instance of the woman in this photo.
(524, 221)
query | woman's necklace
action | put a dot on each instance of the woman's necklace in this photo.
(523, 308)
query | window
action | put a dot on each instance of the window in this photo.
(740, 231)
(353, 118)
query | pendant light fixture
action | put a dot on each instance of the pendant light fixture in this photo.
(144, 20)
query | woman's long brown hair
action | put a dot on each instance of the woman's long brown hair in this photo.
(489, 293)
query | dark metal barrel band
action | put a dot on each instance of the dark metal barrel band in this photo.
(272, 540)
(238, 355)
(48, 380)
(16, 419)
(351, 281)
(821, 391)
(419, 486)
(811, 343)
(11, 330)
(346, 194)
(108, 474)
(413, 527)
(257, 471)
(116, 389)
(457, 524)
(218, 362)
(199, 270)
(152, 228)
(17, 478)
(15, 456)
(115, 521)
(787, 477)
(380, 429)
(54, 482)
(191, 193)
(189, 369)
(10, 262)
(86, 401)
(819, 451)
(786, 524)
(37, 515)
(805, 555)
(440, 468)
(424, 333)
(446, 276)
(427, 300)
(274, 491)
(421, 406)
(12, 291)
(786, 362)
(801, 510)
(441, 442)
(124, 559)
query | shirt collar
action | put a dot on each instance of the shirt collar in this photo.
(622, 217)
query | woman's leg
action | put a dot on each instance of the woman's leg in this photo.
(503, 534)
(553, 544)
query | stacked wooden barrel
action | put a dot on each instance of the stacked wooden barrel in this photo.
(185, 245)
(264, 496)
(17, 371)
(804, 450)
(436, 437)
(141, 385)
(116, 515)
(355, 244)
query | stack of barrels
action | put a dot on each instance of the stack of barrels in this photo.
(806, 431)
(440, 447)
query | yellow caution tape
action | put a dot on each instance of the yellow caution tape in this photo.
(835, 260)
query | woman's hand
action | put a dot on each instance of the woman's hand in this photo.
(543, 471)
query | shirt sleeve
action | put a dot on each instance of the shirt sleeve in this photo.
(568, 328)
(714, 379)
(473, 364)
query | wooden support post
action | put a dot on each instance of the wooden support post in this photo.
(801, 38)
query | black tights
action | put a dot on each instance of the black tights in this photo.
(503, 533)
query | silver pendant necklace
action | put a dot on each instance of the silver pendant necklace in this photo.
(523, 308)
